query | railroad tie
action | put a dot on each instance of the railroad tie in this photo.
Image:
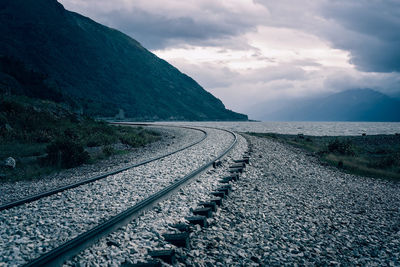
(245, 159)
(166, 255)
(217, 200)
(224, 189)
(206, 212)
(229, 178)
(182, 227)
(227, 186)
(235, 170)
(235, 176)
(218, 194)
(178, 239)
(200, 220)
(225, 180)
(209, 204)
(238, 165)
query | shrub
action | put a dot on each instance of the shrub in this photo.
(341, 147)
(71, 133)
(99, 139)
(3, 118)
(42, 136)
(340, 164)
(108, 150)
(66, 153)
(132, 140)
(386, 162)
(136, 138)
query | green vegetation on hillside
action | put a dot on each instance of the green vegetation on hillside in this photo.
(18, 79)
(100, 69)
(44, 137)
(375, 155)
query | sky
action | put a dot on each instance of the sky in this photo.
(262, 52)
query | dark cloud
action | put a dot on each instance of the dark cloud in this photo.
(155, 31)
(371, 32)
(159, 25)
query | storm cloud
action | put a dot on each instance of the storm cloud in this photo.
(158, 24)
(158, 31)
(369, 30)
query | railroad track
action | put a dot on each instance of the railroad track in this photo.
(67, 249)
(102, 176)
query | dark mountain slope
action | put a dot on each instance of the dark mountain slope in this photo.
(350, 105)
(102, 69)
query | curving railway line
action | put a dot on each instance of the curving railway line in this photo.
(53, 227)
(102, 176)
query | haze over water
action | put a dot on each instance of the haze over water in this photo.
(307, 128)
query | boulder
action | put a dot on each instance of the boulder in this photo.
(8, 127)
(10, 163)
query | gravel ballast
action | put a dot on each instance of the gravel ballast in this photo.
(30, 230)
(288, 209)
(173, 139)
(131, 243)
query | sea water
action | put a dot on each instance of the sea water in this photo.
(307, 128)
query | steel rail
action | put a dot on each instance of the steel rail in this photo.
(32, 198)
(60, 254)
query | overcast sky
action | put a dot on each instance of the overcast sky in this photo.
(247, 52)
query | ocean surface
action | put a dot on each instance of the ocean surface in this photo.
(307, 128)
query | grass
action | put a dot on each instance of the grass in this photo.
(45, 137)
(21, 150)
(374, 156)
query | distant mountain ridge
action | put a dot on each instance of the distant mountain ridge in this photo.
(101, 69)
(350, 105)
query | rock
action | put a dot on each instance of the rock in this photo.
(10, 162)
(255, 259)
(112, 243)
(8, 127)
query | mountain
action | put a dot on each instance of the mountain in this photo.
(98, 68)
(350, 105)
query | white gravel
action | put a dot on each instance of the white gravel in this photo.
(289, 210)
(132, 242)
(173, 139)
(29, 230)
